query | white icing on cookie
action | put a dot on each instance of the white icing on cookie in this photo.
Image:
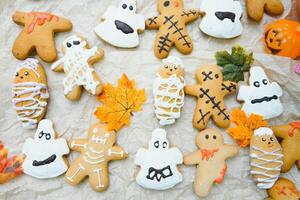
(120, 25)
(222, 18)
(158, 163)
(263, 131)
(261, 97)
(44, 153)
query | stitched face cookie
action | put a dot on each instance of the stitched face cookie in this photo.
(77, 64)
(261, 97)
(266, 158)
(96, 152)
(38, 34)
(290, 133)
(211, 157)
(168, 91)
(30, 93)
(44, 153)
(256, 8)
(171, 25)
(221, 20)
(158, 163)
(120, 25)
(283, 189)
(210, 92)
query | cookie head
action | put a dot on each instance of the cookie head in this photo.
(128, 5)
(172, 65)
(74, 43)
(45, 131)
(208, 74)
(167, 5)
(100, 136)
(159, 140)
(28, 71)
(264, 138)
(209, 138)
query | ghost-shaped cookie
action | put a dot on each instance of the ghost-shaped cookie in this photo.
(158, 163)
(44, 153)
(222, 18)
(120, 25)
(261, 97)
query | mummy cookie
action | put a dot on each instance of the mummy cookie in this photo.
(77, 64)
(257, 8)
(210, 91)
(44, 153)
(96, 152)
(210, 160)
(221, 19)
(290, 135)
(261, 97)
(171, 22)
(283, 189)
(266, 158)
(120, 25)
(38, 34)
(30, 93)
(168, 91)
(158, 163)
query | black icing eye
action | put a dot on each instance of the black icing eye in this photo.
(48, 136)
(207, 137)
(265, 81)
(41, 134)
(76, 42)
(166, 3)
(17, 74)
(263, 139)
(215, 137)
(26, 73)
(175, 67)
(256, 84)
(166, 66)
(130, 7)
(69, 44)
(272, 139)
(124, 6)
(217, 76)
(164, 144)
(156, 144)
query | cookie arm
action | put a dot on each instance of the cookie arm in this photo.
(281, 131)
(19, 17)
(62, 146)
(230, 150)
(190, 15)
(192, 90)
(154, 22)
(116, 153)
(96, 54)
(58, 66)
(228, 87)
(78, 144)
(61, 25)
(192, 158)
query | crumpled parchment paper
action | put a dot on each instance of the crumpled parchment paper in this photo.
(72, 119)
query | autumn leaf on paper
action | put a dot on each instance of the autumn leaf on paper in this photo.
(119, 103)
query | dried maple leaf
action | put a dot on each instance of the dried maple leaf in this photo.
(119, 103)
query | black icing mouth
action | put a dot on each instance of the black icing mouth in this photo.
(273, 51)
(44, 162)
(267, 99)
(225, 15)
(125, 28)
(158, 174)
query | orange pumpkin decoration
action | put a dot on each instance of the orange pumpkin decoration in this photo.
(282, 38)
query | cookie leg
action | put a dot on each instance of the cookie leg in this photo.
(202, 186)
(201, 116)
(99, 180)
(288, 161)
(21, 49)
(46, 50)
(75, 93)
(162, 45)
(184, 43)
(75, 174)
(98, 88)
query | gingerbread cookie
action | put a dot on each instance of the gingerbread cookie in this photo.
(256, 8)
(266, 158)
(221, 20)
(120, 25)
(44, 153)
(77, 64)
(210, 91)
(290, 135)
(261, 97)
(172, 27)
(96, 152)
(283, 189)
(210, 160)
(30, 92)
(38, 34)
(168, 91)
(158, 163)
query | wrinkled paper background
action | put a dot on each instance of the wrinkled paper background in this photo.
(72, 119)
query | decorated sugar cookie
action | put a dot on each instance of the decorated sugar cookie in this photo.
(96, 151)
(120, 25)
(158, 163)
(290, 135)
(261, 97)
(266, 158)
(210, 160)
(171, 24)
(283, 189)
(221, 19)
(30, 92)
(77, 64)
(44, 153)
(38, 34)
(210, 91)
(168, 90)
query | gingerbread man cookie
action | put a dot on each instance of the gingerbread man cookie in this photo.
(30, 92)
(210, 160)
(210, 91)
(256, 8)
(290, 135)
(38, 34)
(172, 27)
(77, 64)
(96, 152)
(283, 189)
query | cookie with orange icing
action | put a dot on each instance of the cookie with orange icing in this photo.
(283, 189)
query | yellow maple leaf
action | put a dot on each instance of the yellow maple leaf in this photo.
(119, 103)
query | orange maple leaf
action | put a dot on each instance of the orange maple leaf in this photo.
(119, 103)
